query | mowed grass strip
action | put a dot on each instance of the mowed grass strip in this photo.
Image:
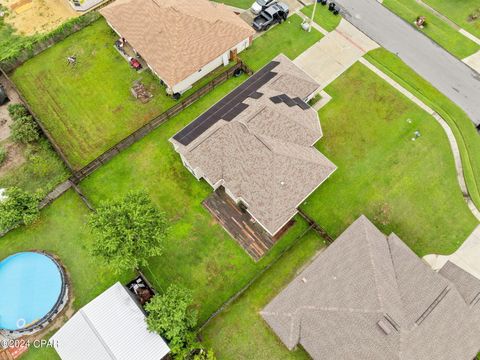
(403, 186)
(242, 4)
(88, 107)
(323, 17)
(239, 332)
(464, 130)
(287, 38)
(437, 29)
(465, 13)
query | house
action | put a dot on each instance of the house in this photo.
(257, 143)
(112, 326)
(180, 40)
(368, 296)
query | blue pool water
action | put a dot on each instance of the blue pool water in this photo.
(30, 285)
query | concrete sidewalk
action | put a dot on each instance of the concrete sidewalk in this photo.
(334, 53)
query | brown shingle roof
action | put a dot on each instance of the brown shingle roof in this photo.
(368, 296)
(177, 37)
(265, 155)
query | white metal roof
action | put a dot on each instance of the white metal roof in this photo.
(111, 327)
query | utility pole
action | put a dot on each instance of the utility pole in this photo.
(313, 15)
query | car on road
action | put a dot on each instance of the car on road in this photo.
(276, 13)
(260, 5)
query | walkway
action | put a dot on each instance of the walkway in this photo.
(466, 257)
(334, 53)
(448, 74)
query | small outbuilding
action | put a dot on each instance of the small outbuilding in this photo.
(180, 40)
(112, 326)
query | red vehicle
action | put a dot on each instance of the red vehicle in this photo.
(135, 64)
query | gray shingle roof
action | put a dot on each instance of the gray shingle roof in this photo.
(368, 296)
(265, 154)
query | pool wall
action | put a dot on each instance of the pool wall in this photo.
(62, 301)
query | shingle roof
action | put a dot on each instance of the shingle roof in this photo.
(177, 37)
(368, 296)
(264, 155)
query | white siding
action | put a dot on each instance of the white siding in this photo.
(187, 83)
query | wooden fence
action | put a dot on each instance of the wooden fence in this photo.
(156, 122)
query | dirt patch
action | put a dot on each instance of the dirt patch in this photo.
(15, 158)
(5, 119)
(474, 16)
(31, 17)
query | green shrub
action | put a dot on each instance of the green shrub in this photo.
(17, 111)
(3, 155)
(24, 130)
(19, 208)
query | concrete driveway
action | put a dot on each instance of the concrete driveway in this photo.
(466, 257)
(448, 74)
(334, 53)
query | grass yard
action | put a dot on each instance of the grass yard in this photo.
(239, 332)
(199, 254)
(61, 230)
(437, 29)
(287, 38)
(88, 107)
(242, 4)
(41, 171)
(463, 128)
(465, 13)
(403, 186)
(323, 17)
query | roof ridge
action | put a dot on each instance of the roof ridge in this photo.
(367, 237)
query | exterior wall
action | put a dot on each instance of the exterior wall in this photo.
(223, 59)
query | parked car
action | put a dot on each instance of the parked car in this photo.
(276, 13)
(3, 95)
(260, 5)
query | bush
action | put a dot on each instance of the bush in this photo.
(17, 111)
(3, 155)
(171, 316)
(19, 207)
(24, 130)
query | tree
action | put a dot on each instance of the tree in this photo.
(128, 231)
(171, 316)
(17, 110)
(24, 130)
(18, 207)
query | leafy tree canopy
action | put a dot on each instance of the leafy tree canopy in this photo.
(128, 231)
(17, 207)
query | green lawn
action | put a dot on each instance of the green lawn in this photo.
(88, 107)
(41, 172)
(461, 12)
(408, 187)
(461, 125)
(239, 332)
(437, 29)
(242, 4)
(287, 38)
(323, 17)
(61, 231)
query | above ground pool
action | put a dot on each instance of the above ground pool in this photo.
(31, 285)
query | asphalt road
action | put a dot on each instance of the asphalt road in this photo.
(452, 77)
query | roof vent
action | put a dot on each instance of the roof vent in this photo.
(282, 182)
(304, 280)
(385, 326)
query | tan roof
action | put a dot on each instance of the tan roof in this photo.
(368, 296)
(177, 37)
(265, 155)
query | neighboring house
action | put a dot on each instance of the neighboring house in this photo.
(110, 327)
(181, 40)
(368, 296)
(257, 143)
